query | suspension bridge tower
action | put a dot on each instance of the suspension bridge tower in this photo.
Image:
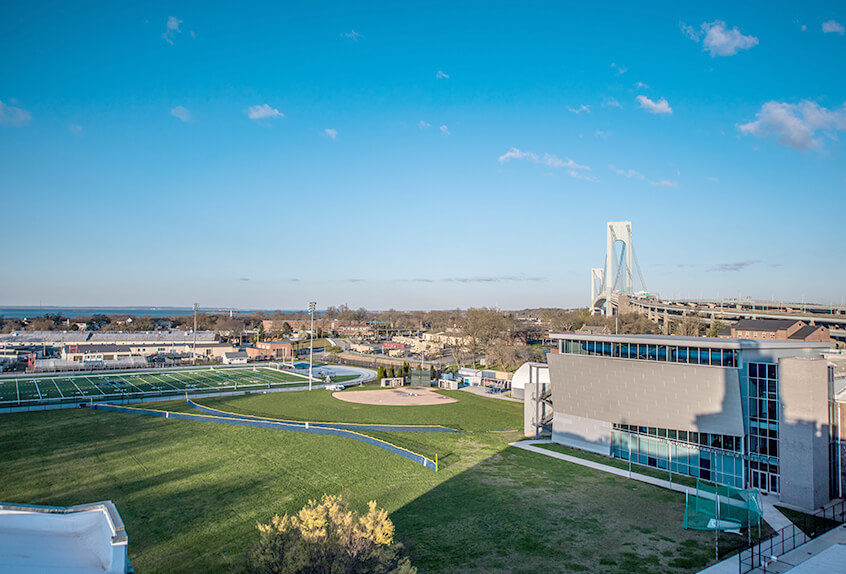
(617, 277)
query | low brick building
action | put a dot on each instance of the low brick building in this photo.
(777, 330)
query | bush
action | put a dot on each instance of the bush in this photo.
(328, 537)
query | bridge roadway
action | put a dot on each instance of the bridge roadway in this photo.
(707, 310)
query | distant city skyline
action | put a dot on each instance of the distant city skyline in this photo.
(442, 155)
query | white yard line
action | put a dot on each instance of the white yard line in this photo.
(77, 386)
(93, 384)
(18, 389)
(37, 390)
(128, 382)
(55, 384)
(218, 378)
(175, 379)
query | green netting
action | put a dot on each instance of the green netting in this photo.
(719, 507)
(420, 377)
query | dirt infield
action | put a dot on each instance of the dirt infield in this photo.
(399, 397)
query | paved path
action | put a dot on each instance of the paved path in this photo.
(482, 393)
(530, 445)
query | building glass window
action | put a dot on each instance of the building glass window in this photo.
(651, 352)
(723, 466)
(762, 398)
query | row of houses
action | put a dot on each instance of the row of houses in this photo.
(71, 350)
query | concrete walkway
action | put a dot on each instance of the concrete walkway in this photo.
(728, 566)
(481, 392)
(530, 445)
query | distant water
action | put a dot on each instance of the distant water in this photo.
(71, 312)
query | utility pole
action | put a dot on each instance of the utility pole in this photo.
(311, 307)
(196, 307)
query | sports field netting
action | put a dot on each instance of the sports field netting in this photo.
(719, 507)
(35, 390)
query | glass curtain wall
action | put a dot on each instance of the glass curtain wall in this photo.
(762, 397)
(651, 352)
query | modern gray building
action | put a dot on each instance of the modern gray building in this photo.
(746, 413)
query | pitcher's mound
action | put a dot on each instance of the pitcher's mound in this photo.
(401, 396)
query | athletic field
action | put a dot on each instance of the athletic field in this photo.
(191, 493)
(63, 388)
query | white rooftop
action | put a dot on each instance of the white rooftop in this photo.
(89, 337)
(80, 539)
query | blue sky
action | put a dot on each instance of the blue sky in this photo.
(418, 155)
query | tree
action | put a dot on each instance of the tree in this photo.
(97, 321)
(260, 332)
(689, 326)
(286, 328)
(716, 327)
(481, 326)
(380, 373)
(328, 537)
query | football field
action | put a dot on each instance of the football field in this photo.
(61, 388)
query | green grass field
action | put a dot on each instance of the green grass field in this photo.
(470, 413)
(191, 493)
(36, 389)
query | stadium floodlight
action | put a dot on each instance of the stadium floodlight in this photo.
(312, 305)
(196, 307)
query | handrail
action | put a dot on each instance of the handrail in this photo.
(791, 537)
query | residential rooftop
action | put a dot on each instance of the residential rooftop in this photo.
(17, 337)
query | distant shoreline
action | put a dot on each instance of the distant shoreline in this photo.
(13, 312)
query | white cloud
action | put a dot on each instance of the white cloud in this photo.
(423, 125)
(13, 115)
(181, 113)
(611, 103)
(601, 134)
(515, 153)
(665, 183)
(351, 35)
(550, 160)
(444, 130)
(75, 129)
(796, 125)
(629, 173)
(441, 75)
(804, 28)
(619, 70)
(641, 85)
(718, 40)
(580, 109)
(331, 133)
(579, 175)
(171, 29)
(661, 106)
(689, 31)
(714, 179)
(555, 161)
(832, 27)
(263, 112)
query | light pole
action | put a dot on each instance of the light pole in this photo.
(311, 306)
(196, 306)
